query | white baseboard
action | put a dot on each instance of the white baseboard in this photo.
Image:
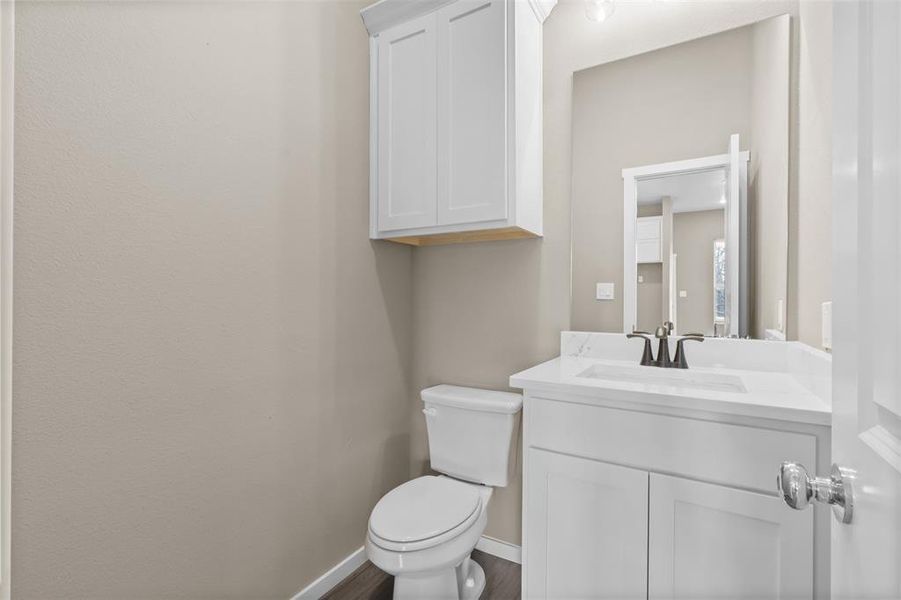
(328, 580)
(500, 549)
(332, 577)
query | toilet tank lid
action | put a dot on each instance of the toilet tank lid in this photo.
(473, 398)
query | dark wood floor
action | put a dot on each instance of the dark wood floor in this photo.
(369, 583)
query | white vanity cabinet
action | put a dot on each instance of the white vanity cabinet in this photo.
(624, 503)
(455, 119)
(576, 507)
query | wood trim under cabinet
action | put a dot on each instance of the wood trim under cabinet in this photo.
(462, 237)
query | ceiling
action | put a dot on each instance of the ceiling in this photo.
(690, 192)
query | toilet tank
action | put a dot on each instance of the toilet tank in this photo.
(471, 432)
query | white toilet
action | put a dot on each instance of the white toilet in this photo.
(424, 530)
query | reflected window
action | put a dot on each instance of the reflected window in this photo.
(719, 281)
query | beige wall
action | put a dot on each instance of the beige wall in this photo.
(814, 239)
(678, 103)
(693, 237)
(210, 356)
(650, 296)
(768, 173)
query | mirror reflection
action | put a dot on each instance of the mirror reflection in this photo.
(680, 187)
(689, 222)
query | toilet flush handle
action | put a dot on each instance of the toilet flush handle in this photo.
(429, 412)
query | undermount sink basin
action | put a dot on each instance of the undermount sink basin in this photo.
(679, 378)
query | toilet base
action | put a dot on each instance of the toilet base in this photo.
(466, 581)
(473, 583)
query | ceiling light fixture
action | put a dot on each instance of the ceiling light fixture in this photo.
(599, 10)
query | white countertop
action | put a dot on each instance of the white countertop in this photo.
(769, 394)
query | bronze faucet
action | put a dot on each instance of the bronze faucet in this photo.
(663, 360)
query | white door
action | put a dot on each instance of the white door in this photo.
(588, 528)
(866, 429)
(733, 231)
(407, 125)
(472, 112)
(711, 541)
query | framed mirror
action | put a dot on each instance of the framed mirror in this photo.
(680, 187)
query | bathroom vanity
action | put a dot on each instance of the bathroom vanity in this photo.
(661, 483)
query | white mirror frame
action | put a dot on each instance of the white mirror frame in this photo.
(738, 261)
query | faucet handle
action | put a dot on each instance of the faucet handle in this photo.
(647, 356)
(679, 361)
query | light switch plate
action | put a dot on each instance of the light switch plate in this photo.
(605, 291)
(683, 293)
(827, 325)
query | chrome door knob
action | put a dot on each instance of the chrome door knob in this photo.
(797, 489)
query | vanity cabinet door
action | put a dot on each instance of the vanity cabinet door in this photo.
(407, 125)
(586, 529)
(710, 541)
(472, 112)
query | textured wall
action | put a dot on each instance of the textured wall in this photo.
(210, 356)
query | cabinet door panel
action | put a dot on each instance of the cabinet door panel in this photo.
(710, 541)
(649, 228)
(472, 123)
(586, 529)
(648, 251)
(407, 125)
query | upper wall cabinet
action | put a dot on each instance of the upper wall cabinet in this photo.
(455, 119)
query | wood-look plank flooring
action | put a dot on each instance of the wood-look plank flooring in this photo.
(370, 583)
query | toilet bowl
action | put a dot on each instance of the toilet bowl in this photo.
(423, 531)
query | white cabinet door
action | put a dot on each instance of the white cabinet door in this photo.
(710, 541)
(648, 238)
(586, 529)
(472, 113)
(407, 125)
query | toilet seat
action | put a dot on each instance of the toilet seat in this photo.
(423, 513)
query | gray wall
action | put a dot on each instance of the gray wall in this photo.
(211, 359)
(693, 237)
(677, 103)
